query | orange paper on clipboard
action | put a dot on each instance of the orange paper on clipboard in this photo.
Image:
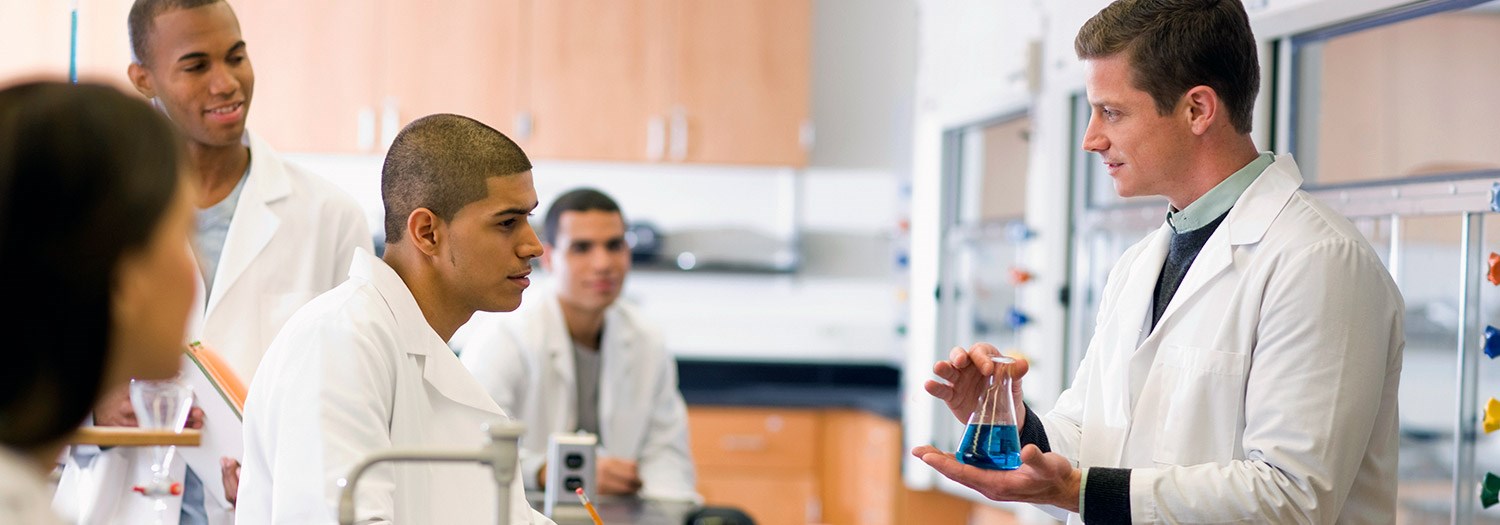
(220, 393)
(226, 383)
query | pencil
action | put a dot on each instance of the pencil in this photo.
(592, 513)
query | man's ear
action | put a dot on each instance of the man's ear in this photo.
(141, 79)
(1203, 105)
(424, 229)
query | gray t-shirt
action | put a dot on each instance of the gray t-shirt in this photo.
(213, 228)
(586, 376)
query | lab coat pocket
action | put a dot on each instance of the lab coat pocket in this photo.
(1200, 408)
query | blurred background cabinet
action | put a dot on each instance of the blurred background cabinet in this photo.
(722, 82)
(834, 466)
(343, 76)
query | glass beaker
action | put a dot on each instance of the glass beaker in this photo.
(992, 441)
(161, 405)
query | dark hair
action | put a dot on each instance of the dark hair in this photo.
(442, 162)
(582, 199)
(1175, 45)
(86, 175)
(142, 19)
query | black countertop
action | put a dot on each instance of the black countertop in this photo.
(869, 387)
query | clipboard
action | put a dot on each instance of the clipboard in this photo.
(220, 392)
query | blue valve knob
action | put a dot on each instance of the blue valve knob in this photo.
(1018, 231)
(1491, 342)
(1017, 319)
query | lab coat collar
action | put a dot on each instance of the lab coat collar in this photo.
(254, 222)
(1246, 224)
(559, 346)
(441, 369)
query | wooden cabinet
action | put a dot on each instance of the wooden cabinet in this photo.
(770, 498)
(457, 56)
(593, 80)
(317, 71)
(724, 82)
(344, 76)
(720, 82)
(860, 467)
(759, 460)
(803, 466)
(741, 81)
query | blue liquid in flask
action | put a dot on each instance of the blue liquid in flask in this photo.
(993, 447)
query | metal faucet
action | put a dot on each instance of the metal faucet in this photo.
(499, 453)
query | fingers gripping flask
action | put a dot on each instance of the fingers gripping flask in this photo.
(992, 440)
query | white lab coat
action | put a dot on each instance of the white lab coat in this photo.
(291, 238)
(356, 371)
(525, 361)
(1267, 392)
(23, 493)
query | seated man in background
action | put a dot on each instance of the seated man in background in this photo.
(578, 359)
(366, 367)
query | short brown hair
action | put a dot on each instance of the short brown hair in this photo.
(142, 20)
(1175, 45)
(443, 162)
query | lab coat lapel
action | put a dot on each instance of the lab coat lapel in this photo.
(1246, 223)
(616, 350)
(254, 223)
(1211, 262)
(440, 368)
(1126, 330)
(559, 346)
(1133, 308)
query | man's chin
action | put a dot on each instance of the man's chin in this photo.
(509, 305)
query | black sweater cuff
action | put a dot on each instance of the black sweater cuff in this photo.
(1033, 432)
(1106, 496)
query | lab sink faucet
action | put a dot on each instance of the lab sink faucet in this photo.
(499, 454)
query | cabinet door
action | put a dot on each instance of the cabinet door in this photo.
(861, 467)
(773, 498)
(455, 57)
(316, 72)
(592, 80)
(741, 81)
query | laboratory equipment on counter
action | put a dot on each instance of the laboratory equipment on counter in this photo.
(570, 466)
(991, 441)
(160, 405)
(500, 454)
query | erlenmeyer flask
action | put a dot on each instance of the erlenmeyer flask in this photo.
(161, 405)
(992, 441)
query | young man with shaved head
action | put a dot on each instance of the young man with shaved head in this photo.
(366, 366)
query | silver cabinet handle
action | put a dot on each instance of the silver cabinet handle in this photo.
(522, 124)
(364, 128)
(679, 133)
(390, 122)
(655, 138)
